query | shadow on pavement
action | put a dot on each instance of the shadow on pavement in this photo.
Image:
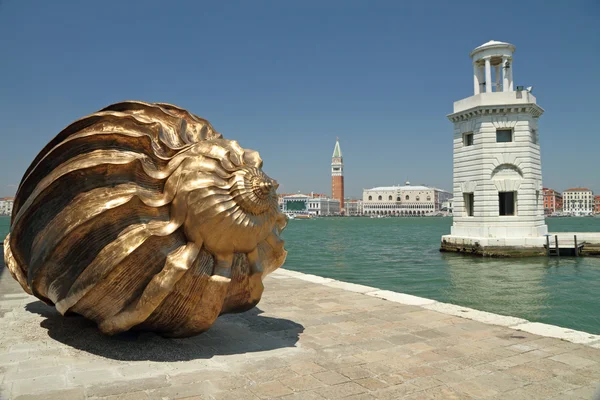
(231, 334)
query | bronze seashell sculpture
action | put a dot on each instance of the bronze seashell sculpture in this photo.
(141, 216)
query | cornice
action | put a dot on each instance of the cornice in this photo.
(532, 109)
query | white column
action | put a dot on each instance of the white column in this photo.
(497, 76)
(510, 77)
(488, 75)
(505, 73)
(476, 86)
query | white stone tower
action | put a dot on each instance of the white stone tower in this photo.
(498, 199)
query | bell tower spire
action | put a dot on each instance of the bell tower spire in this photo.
(337, 175)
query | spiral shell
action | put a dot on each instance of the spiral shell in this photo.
(141, 216)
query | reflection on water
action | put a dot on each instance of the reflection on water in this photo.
(402, 254)
(499, 286)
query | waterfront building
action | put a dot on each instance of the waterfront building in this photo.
(597, 204)
(404, 200)
(353, 207)
(304, 204)
(324, 206)
(578, 201)
(448, 206)
(313, 195)
(497, 166)
(337, 174)
(6, 205)
(553, 201)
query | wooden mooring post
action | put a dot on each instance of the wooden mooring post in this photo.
(547, 245)
(576, 247)
(556, 243)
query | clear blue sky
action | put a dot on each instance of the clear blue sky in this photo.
(287, 77)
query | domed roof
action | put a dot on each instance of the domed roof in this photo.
(492, 44)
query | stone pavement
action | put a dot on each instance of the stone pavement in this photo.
(308, 339)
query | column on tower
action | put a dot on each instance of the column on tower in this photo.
(505, 74)
(476, 82)
(488, 74)
(497, 76)
(510, 77)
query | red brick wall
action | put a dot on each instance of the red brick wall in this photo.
(337, 189)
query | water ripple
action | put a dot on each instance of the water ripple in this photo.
(402, 254)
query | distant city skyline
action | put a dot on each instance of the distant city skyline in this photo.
(287, 78)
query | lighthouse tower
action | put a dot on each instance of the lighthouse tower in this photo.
(498, 203)
(337, 175)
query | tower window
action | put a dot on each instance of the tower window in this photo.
(504, 135)
(507, 202)
(469, 201)
(379, 198)
(468, 139)
(534, 136)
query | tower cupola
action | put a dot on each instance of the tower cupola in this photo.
(493, 67)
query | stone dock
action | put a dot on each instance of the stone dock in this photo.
(309, 338)
(589, 245)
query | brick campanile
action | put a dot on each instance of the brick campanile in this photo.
(337, 175)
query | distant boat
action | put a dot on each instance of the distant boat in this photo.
(298, 216)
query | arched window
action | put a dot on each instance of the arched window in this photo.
(370, 197)
(407, 197)
(428, 198)
(418, 198)
(380, 198)
(398, 198)
(390, 198)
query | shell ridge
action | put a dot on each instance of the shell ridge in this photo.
(41, 167)
(67, 220)
(57, 139)
(71, 256)
(102, 265)
(51, 212)
(148, 167)
(157, 145)
(97, 157)
(160, 286)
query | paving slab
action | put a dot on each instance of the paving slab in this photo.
(309, 338)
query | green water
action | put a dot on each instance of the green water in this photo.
(402, 254)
